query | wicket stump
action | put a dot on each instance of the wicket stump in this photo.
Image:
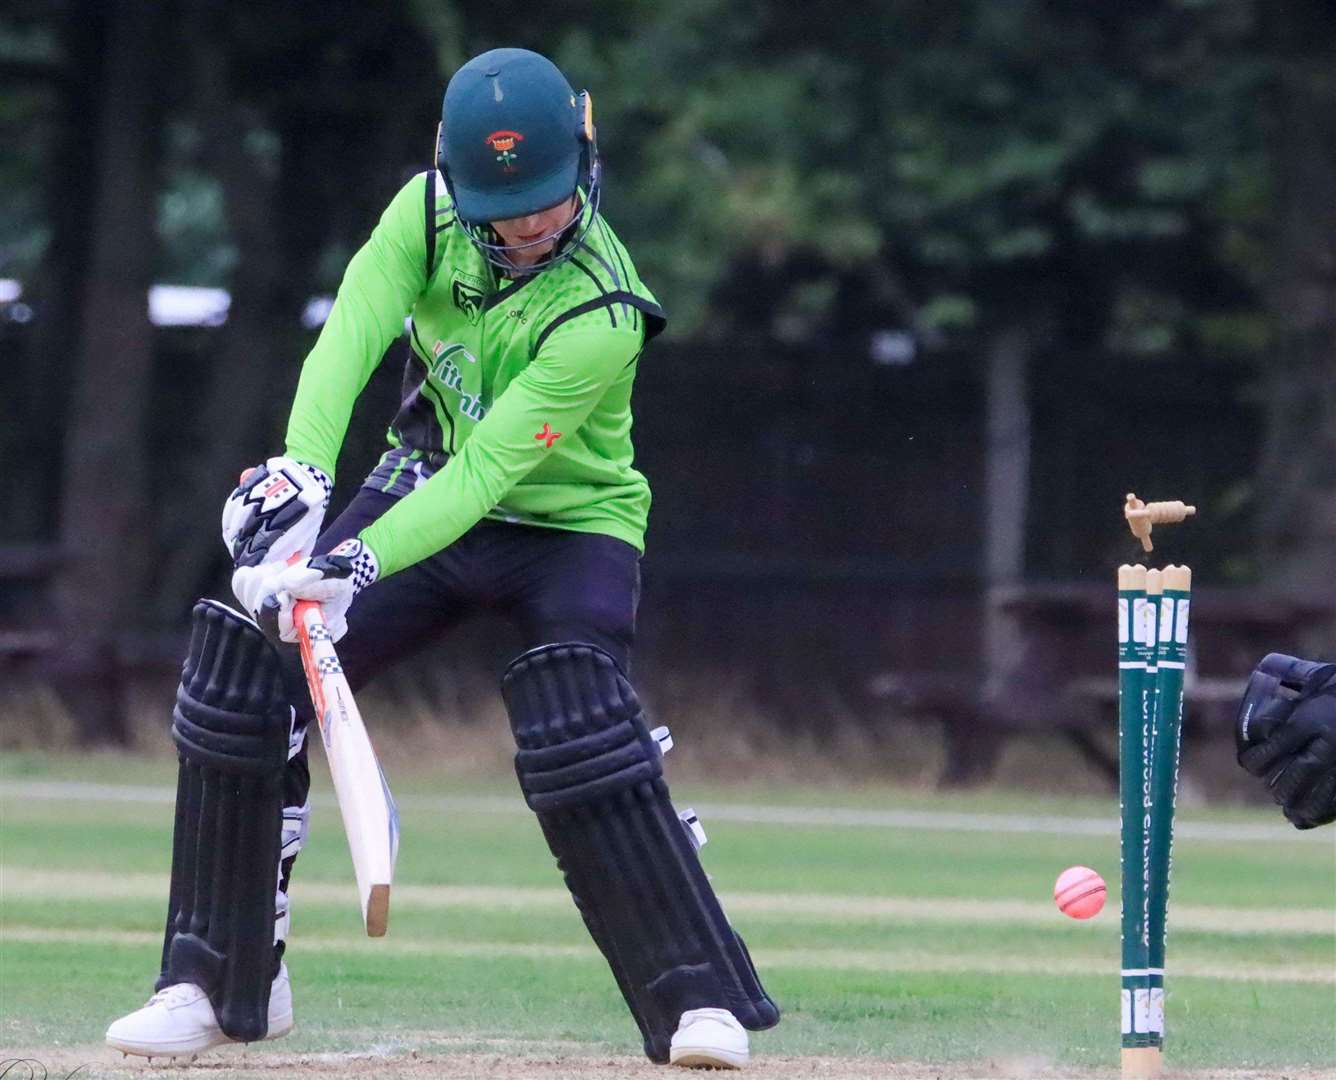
(1153, 608)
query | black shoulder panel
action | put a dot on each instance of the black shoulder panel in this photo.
(655, 320)
(430, 220)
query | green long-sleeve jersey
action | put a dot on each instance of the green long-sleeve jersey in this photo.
(516, 394)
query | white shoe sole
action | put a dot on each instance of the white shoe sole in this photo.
(187, 1048)
(707, 1057)
(190, 1047)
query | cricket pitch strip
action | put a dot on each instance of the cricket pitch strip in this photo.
(97, 1062)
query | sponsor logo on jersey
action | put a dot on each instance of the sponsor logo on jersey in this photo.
(445, 368)
(547, 436)
(468, 293)
(503, 142)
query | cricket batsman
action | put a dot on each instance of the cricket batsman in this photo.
(1286, 734)
(508, 485)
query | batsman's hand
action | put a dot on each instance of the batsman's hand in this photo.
(275, 512)
(332, 580)
(1286, 734)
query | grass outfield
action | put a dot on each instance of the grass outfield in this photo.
(896, 946)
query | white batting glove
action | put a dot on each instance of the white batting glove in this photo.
(253, 585)
(275, 512)
(332, 580)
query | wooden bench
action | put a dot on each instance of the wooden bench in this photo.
(1056, 668)
(1053, 670)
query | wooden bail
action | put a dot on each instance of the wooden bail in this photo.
(1141, 516)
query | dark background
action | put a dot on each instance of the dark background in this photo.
(945, 280)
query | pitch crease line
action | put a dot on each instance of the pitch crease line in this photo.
(33, 884)
(741, 813)
(806, 959)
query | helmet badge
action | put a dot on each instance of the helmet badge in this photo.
(503, 142)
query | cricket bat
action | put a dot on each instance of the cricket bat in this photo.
(370, 817)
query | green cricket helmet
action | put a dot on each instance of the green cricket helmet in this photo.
(516, 139)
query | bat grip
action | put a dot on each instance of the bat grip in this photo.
(300, 610)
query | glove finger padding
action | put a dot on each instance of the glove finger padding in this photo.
(331, 580)
(308, 581)
(275, 512)
(252, 585)
(1307, 791)
(303, 582)
(1268, 758)
(279, 587)
(1287, 702)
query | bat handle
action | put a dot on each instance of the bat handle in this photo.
(300, 610)
(301, 607)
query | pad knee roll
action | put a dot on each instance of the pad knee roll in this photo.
(593, 773)
(231, 726)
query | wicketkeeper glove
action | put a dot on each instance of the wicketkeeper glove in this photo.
(275, 512)
(1286, 734)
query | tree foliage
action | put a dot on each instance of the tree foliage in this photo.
(1143, 184)
(960, 147)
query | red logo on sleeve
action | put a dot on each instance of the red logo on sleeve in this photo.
(547, 436)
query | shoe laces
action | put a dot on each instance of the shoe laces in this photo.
(176, 994)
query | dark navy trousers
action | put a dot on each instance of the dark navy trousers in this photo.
(551, 584)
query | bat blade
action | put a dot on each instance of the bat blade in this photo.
(370, 818)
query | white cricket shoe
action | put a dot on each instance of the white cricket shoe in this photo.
(179, 1020)
(709, 1039)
